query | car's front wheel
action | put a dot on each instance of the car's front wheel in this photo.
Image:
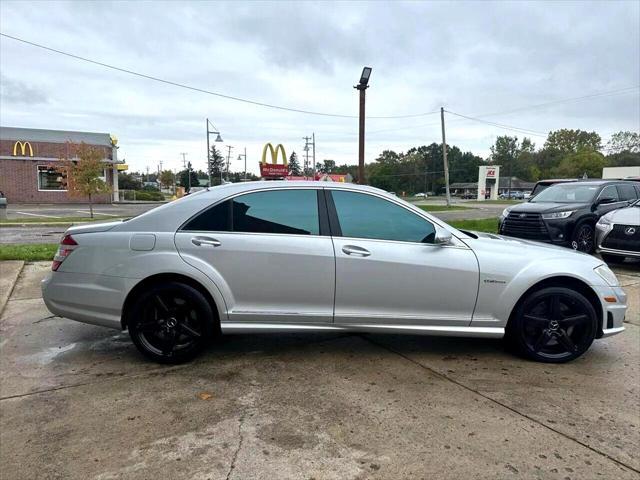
(553, 325)
(171, 322)
(583, 238)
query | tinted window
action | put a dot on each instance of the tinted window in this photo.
(609, 191)
(366, 216)
(278, 211)
(214, 219)
(567, 193)
(627, 192)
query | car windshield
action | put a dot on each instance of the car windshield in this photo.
(567, 193)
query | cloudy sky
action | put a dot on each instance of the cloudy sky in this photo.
(479, 59)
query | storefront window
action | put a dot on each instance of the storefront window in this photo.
(50, 179)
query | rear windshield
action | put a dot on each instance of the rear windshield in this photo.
(567, 193)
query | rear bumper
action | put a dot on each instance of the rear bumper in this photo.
(93, 299)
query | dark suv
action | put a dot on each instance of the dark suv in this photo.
(566, 213)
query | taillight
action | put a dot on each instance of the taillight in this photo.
(67, 245)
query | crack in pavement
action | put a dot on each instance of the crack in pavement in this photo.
(232, 466)
(493, 400)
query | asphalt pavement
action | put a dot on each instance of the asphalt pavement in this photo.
(79, 402)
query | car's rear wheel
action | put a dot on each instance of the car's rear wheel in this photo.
(553, 325)
(583, 238)
(171, 322)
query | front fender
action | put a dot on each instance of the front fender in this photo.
(497, 297)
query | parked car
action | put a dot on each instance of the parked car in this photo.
(513, 195)
(566, 213)
(420, 195)
(618, 234)
(311, 256)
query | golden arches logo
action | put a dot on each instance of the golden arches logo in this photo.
(274, 154)
(23, 149)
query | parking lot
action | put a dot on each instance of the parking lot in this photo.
(80, 402)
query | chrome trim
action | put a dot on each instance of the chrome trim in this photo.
(608, 332)
(454, 331)
(622, 253)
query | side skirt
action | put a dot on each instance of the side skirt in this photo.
(449, 331)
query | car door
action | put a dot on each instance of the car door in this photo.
(389, 271)
(613, 202)
(266, 253)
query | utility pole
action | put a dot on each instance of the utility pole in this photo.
(245, 164)
(444, 157)
(306, 153)
(314, 155)
(187, 165)
(229, 147)
(208, 155)
(361, 87)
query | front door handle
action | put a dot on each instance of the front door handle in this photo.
(356, 251)
(205, 241)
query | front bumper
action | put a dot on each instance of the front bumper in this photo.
(554, 231)
(602, 232)
(613, 312)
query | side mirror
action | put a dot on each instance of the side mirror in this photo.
(442, 237)
(606, 200)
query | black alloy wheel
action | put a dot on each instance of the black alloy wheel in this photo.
(554, 325)
(583, 238)
(171, 323)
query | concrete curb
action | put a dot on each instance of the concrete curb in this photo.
(10, 272)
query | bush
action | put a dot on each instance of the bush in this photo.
(143, 195)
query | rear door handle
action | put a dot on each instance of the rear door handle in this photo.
(356, 251)
(205, 241)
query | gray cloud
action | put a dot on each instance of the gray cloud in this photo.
(19, 92)
(471, 57)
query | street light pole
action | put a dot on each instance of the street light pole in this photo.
(245, 162)
(218, 139)
(361, 87)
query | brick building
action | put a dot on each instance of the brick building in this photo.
(27, 156)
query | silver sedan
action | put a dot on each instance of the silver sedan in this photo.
(618, 234)
(311, 256)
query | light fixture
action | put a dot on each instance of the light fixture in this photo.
(366, 73)
(219, 138)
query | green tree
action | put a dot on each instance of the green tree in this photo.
(578, 164)
(327, 166)
(566, 141)
(215, 166)
(183, 178)
(82, 173)
(166, 178)
(294, 165)
(624, 142)
(128, 181)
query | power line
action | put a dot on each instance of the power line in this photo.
(201, 90)
(620, 91)
(500, 125)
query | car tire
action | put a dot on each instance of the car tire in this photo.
(616, 259)
(171, 322)
(552, 325)
(583, 238)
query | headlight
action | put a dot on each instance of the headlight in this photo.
(607, 275)
(556, 215)
(506, 211)
(604, 221)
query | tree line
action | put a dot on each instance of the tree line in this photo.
(564, 154)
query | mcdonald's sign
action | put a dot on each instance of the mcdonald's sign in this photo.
(274, 169)
(23, 149)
